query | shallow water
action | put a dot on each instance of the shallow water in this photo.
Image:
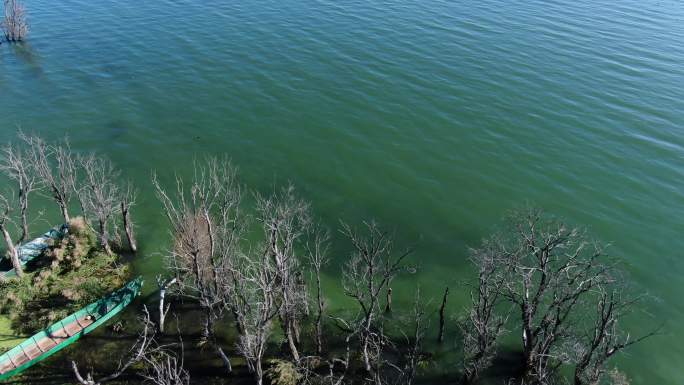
(432, 117)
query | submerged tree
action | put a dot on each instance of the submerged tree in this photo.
(161, 366)
(56, 168)
(127, 202)
(606, 338)
(286, 220)
(482, 326)
(255, 303)
(318, 257)
(19, 165)
(551, 273)
(205, 225)
(14, 24)
(419, 326)
(367, 274)
(100, 195)
(5, 219)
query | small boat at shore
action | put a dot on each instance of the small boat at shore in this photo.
(65, 332)
(31, 250)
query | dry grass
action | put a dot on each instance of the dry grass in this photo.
(71, 249)
(72, 274)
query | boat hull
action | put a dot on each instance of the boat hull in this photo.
(31, 250)
(101, 311)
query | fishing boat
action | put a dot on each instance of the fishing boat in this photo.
(31, 250)
(65, 332)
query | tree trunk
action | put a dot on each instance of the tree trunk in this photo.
(388, 306)
(163, 310)
(128, 226)
(259, 372)
(577, 379)
(23, 199)
(104, 242)
(440, 336)
(290, 340)
(224, 358)
(14, 257)
(208, 326)
(65, 212)
(366, 358)
(296, 330)
(319, 316)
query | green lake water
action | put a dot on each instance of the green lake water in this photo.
(432, 117)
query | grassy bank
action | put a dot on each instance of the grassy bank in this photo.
(72, 273)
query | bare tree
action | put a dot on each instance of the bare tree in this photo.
(318, 259)
(5, 219)
(18, 164)
(338, 367)
(206, 227)
(365, 277)
(163, 285)
(549, 269)
(256, 304)
(605, 338)
(482, 326)
(164, 367)
(144, 346)
(415, 342)
(286, 220)
(100, 195)
(550, 273)
(128, 201)
(56, 167)
(14, 25)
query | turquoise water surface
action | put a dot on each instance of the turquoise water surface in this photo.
(433, 117)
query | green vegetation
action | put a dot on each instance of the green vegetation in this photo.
(71, 274)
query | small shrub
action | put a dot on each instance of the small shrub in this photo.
(283, 372)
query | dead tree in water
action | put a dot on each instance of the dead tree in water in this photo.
(18, 164)
(440, 336)
(14, 24)
(144, 346)
(5, 211)
(256, 305)
(163, 285)
(606, 337)
(318, 258)
(366, 275)
(99, 195)
(128, 201)
(286, 220)
(415, 341)
(56, 167)
(551, 274)
(206, 228)
(165, 368)
(482, 326)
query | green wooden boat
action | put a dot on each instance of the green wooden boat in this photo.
(65, 332)
(33, 249)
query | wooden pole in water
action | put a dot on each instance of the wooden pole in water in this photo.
(128, 226)
(440, 337)
(388, 307)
